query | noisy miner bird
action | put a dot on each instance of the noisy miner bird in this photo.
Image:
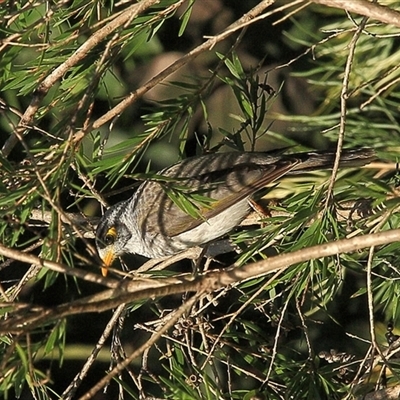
(152, 225)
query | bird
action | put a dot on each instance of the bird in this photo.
(151, 224)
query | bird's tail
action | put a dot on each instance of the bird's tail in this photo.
(326, 159)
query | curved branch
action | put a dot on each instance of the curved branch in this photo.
(366, 8)
(144, 289)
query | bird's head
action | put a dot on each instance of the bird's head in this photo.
(112, 235)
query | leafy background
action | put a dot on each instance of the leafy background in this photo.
(85, 116)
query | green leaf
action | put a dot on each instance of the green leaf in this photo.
(185, 17)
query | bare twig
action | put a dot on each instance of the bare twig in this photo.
(185, 307)
(74, 385)
(57, 267)
(343, 108)
(366, 8)
(135, 290)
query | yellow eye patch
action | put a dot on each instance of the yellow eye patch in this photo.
(110, 236)
(112, 232)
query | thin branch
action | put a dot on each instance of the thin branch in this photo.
(234, 316)
(343, 108)
(185, 307)
(57, 267)
(43, 88)
(211, 281)
(366, 8)
(242, 22)
(70, 391)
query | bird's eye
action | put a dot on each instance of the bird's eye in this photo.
(109, 240)
(110, 237)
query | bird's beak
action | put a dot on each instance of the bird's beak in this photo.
(108, 259)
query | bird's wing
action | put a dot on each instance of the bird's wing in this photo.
(184, 222)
